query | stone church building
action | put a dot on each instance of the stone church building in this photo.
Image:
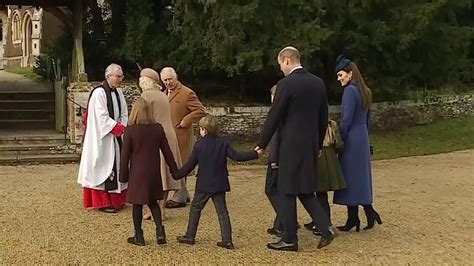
(25, 31)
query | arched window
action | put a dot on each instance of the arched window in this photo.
(16, 27)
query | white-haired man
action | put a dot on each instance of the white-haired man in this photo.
(106, 117)
(186, 109)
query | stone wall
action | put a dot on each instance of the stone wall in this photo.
(246, 121)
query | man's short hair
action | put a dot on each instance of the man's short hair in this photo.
(170, 70)
(210, 123)
(111, 69)
(289, 52)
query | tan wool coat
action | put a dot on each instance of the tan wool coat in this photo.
(185, 106)
(161, 112)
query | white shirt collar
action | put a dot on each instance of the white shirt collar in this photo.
(295, 68)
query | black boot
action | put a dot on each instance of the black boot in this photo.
(137, 239)
(160, 235)
(372, 216)
(352, 219)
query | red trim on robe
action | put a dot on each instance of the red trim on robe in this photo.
(96, 199)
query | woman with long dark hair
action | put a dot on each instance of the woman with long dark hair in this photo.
(355, 156)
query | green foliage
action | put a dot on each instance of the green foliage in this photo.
(229, 47)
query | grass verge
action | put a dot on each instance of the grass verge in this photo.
(26, 72)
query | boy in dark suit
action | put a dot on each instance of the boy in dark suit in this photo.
(212, 179)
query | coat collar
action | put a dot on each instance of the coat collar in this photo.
(176, 91)
(297, 70)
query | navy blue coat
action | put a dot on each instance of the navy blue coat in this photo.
(211, 154)
(300, 114)
(355, 157)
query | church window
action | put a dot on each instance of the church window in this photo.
(16, 27)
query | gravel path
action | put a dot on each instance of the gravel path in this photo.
(425, 202)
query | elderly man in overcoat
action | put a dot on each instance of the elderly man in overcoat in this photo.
(186, 109)
(300, 113)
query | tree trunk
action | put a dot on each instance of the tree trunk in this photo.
(78, 65)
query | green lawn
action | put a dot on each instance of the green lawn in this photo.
(441, 136)
(26, 72)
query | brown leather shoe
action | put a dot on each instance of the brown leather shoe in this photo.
(171, 204)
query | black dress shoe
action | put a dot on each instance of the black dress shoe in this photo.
(185, 240)
(227, 245)
(309, 226)
(171, 204)
(281, 245)
(108, 210)
(325, 240)
(275, 232)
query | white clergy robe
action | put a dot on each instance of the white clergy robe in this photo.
(100, 147)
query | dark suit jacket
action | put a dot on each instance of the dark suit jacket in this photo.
(211, 155)
(300, 113)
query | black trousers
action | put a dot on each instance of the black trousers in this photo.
(271, 190)
(272, 194)
(198, 203)
(289, 213)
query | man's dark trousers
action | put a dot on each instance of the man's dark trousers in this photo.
(288, 207)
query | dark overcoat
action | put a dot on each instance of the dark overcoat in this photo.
(140, 162)
(300, 113)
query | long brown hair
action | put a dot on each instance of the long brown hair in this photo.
(358, 80)
(141, 113)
